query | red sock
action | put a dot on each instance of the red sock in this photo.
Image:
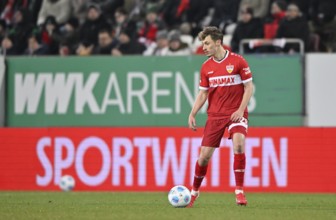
(239, 169)
(199, 175)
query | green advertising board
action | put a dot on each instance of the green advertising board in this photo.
(139, 91)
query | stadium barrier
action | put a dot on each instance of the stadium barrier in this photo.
(277, 42)
(154, 159)
(140, 91)
(320, 93)
(2, 91)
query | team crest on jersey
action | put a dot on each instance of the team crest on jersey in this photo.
(229, 68)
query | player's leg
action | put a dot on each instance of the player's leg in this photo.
(201, 168)
(238, 133)
(239, 166)
(213, 133)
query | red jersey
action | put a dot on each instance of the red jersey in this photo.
(224, 81)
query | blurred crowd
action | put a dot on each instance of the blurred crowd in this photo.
(162, 27)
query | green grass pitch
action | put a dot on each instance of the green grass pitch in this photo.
(155, 206)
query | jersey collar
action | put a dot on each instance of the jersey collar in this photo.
(226, 55)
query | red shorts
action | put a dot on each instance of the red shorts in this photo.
(214, 130)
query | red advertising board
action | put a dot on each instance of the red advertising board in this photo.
(155, 159)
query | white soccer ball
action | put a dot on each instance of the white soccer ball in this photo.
(179, 196)
(67, 183)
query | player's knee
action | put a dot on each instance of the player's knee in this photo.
(203, 160)
(239, 148)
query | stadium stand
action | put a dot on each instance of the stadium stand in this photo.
(65, 26)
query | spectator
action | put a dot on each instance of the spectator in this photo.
(64, 49)
(293, 26)
(127, 45)
(51, 35)
(185, 31)
(35, 46)
(196, 13)
(7, 46)
(176, 46)
(70, 34)
(3, 29)
(323, 25)
(325, 8)
(79, 9)
(153, 4)
(160, 46)
(130, 5)
(259, 7)
(94, 22)
(20, 29)
(141, 7)
(10, 7)
(124, 23)
(2, 6)
(248, 27)
(172, 11)
(109, 7)
(85, 48)
(35, 7)
(150, 26)
(106, 42)
(60, 9)
(278, 12)
(225, 13)
(305, 6)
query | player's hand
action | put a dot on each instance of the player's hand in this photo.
(237, 116)
(116, 52)
(192, 122)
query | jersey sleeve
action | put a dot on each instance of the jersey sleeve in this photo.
(204, 80)
(245, 71)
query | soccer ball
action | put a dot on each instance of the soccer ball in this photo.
(179, 196)
(67, 183)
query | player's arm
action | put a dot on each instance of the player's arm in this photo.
(199, 102)
(248, 91)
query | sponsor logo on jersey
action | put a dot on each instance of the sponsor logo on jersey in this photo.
(229, 68)
(247, 70)
(210, 72)
(224, 81)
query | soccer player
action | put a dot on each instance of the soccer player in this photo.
(226, 82)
